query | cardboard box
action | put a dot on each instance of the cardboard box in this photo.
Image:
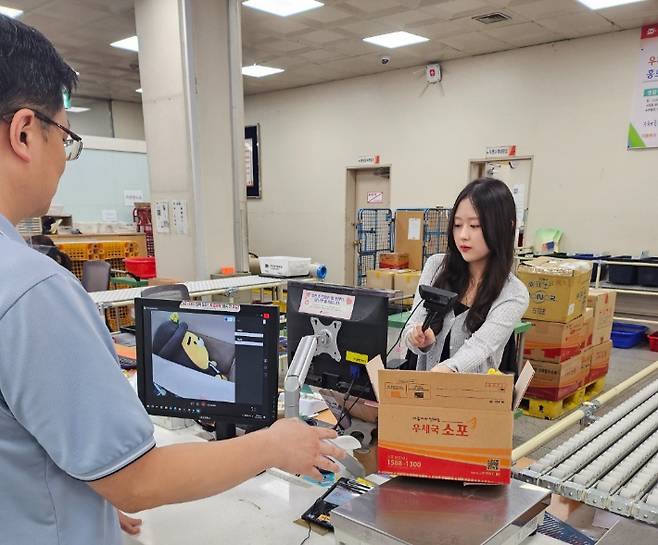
(393, 260)
(558, 288)
(588, 327)
(603, 302)
(406, 282)
(409, 232)
(553, 341)
(455, 426)
(380, 278)
(555, 381)
(586, 364)
(600, 361)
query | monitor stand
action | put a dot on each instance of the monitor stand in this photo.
(224, 430)
(361, 430)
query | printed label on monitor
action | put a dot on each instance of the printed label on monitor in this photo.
(355, 357)
(209, 305)
(334, 305)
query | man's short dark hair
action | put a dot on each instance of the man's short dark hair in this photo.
(32, 73)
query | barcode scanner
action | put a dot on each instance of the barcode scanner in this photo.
(437, 302)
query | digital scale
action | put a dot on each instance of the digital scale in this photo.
(407, 511)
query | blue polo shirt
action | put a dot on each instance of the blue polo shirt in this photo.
(67, 414)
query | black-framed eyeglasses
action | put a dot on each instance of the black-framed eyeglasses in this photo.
(72, 145)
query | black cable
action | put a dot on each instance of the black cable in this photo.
(307, 535)
(347, 395)
(402, 328)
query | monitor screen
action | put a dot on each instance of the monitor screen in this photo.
(208, 360)
(358, 320)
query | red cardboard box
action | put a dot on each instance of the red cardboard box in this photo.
(393, 260)
(555, 381)
(553, 341)
(600, 361)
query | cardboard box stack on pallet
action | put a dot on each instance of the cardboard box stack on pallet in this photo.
(393, 274)
(568, 345)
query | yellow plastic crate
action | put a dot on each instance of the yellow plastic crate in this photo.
(78, 251)
(124, 314)
(113, 250)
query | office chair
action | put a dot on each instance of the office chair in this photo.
(96, 275)
(171, 292)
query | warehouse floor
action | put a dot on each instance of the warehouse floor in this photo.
(623, 364)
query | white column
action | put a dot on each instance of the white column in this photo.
(190, 61)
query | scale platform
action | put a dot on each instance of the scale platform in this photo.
(422, 512)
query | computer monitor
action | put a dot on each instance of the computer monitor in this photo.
(208, 361)
(356, 318)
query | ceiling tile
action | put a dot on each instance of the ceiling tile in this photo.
(457, 8)
(322, 36)
(578, 24)
(475, 42)
(321, 55)
(372, 6)
(405, 18)
(363, 29)
(327, 14)
(523, 34)
(536, 9)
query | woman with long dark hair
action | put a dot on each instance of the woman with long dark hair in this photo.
(478, 267)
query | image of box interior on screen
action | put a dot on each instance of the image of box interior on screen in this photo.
(193, 355)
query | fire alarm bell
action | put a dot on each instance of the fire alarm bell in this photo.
(433, 73)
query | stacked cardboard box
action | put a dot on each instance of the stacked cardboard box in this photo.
(602, 303)
(393, 260)
(558, 295)
(403, 280)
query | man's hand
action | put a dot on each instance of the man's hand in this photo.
(421, 339)
(299, 448)
(128, 524)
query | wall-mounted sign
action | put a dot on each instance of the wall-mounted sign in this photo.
(369, 160)
(252, 161)
(375, 197)
(643, 128)
(500, 151)
(131, 196)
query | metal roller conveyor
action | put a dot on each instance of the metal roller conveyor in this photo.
(612, 464)
(581, 439)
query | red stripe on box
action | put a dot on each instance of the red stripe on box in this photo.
(414, 465)
(552, 394)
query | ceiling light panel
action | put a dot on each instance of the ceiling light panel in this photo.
(602, 4)
(11, 12)
(130, 44)
(396, 39)
(283, 8)
(258, 71)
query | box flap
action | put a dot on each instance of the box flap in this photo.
(556, 267)
(522, 384)
(448, 390)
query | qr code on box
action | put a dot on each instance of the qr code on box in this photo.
(493, 465)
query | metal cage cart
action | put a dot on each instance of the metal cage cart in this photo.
(374, 231)
(435, 229)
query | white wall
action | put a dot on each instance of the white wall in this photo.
(128, 120)
(568, 104)
(124, 120)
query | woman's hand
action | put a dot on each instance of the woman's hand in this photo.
(441, 369)
(421, 339)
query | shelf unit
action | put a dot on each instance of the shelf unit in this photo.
(641, 291)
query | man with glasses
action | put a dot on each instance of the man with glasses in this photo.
(74, 439)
